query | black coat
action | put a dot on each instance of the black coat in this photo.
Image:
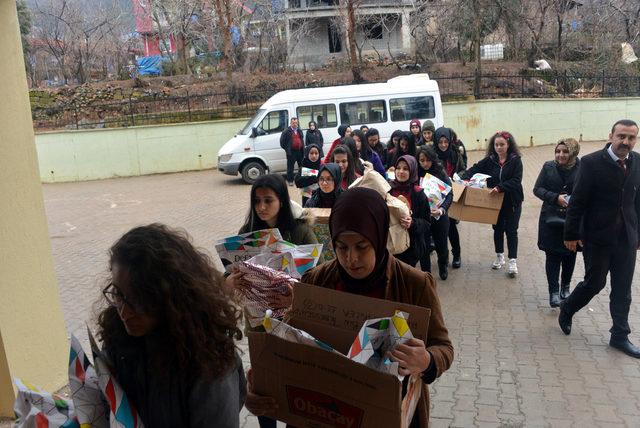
(383, 154)
(286, 140)
(551, 183)
(508, 178)
(603, 200)
(315, 137)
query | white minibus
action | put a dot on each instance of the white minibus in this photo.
(255, 150)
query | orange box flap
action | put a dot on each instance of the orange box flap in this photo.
(482, 198)
(458, 191)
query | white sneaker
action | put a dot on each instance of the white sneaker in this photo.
(512, 270)
(499, 262)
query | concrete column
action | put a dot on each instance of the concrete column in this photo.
(33, 341)
(406, 32)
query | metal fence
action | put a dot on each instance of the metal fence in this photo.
(160, 109)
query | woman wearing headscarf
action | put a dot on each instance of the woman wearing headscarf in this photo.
(406, 146)
(329, 180)
(343, 131)
(405, 186)
(554, 186)
(364, 266)
(428, 162)
(452, 163)
(314, 136)
(308, 183)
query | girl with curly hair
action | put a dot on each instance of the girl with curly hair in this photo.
(169, 330)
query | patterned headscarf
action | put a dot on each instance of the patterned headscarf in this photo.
(574, 149)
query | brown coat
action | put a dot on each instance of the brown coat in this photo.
(405, 285)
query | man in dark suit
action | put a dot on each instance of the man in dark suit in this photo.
(292, 142)
(603, 218)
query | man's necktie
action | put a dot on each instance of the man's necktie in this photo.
(623, 165)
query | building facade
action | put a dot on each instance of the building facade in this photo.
(315, 29)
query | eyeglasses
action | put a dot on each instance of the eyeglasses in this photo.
(325, 180)
(116, 299)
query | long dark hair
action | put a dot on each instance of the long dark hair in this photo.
(411, 148)
(350, 143)
(350, 174)
(513, 147)
(397, 133)
(366, 152)
(177, 284)
(286, 221)
(436, 169)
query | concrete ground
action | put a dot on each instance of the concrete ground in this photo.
(513, 366)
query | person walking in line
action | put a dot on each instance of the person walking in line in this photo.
(428, 162)
(405, 185)
(554, 186)
(415, 133)
(373, 139)
(603, 218)
(307, 184)
(343, 132)
(314, 136)
(169, 329)
(452, 163)
(329, 180)
(428, 129)
(504, 166)
(343, 157)
(291, 141)
(405, 147)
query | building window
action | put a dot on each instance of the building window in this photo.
(403, 109)
(363, 112)
(274, 122)
(324, 115)
(373, 31)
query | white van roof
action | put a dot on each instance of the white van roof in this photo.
(408, 84)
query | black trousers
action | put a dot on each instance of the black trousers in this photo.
(508, 221)
(618, 260)
(553, 263)
(440, 230)
(454, 238)
(295, 157)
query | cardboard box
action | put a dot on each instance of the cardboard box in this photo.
(475, 205)
(315, 388)
(321, 215)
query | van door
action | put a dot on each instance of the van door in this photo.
(267, 140)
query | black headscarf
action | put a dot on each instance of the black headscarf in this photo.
(342, 130)
(306, 162)
(327, 200)
(363, 211)
(413, 174)
(447, 155)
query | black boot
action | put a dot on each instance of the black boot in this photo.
(565, 290)
(456, 263)
(554, 300)
(443, 271)
(564, 319)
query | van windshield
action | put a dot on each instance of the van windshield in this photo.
(253, 122)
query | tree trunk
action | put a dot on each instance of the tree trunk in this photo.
(224, 23)
(477, 42)
(559, 41)
(351, 35)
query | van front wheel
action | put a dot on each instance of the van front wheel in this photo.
(251, 171)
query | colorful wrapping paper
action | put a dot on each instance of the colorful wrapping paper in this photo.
(377, 338)
(90, 407)
(238, 248)
(435, 189)
(322, 234)
(122, 413)
(478, 181)
(292, 334)
(37, 408)
(267, 285)
(294, 260)
(308, 172)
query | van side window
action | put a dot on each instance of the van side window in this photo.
(403, 109)
(363, 112)
(324, 115)
(274, 122)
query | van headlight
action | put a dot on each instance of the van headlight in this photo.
(225, 158)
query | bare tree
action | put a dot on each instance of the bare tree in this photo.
(349, 10)
(628, 11)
